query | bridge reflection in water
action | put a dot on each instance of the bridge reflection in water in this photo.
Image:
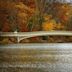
(36, 57)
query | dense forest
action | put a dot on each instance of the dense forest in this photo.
(35, 15)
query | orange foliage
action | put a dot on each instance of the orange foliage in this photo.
(49, 25)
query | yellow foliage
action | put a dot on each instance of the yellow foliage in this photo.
(49, 25)
(24, 7)
(59, 26)
(20, 5)
(22, 15)
(47, 17)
